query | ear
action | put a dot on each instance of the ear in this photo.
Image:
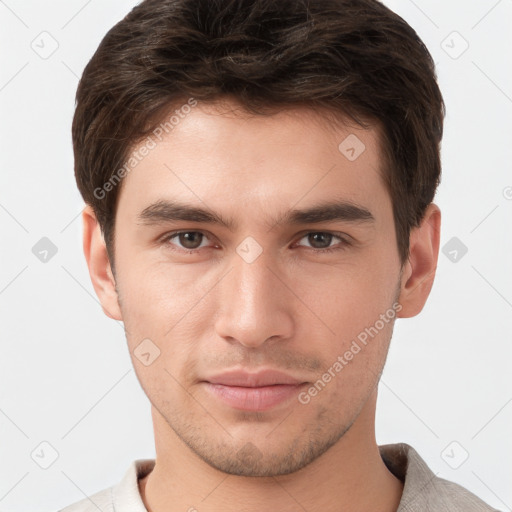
(98, 262)
(420, 269)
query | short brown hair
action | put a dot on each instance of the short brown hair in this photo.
(351, 57)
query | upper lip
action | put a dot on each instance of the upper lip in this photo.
(253, 380)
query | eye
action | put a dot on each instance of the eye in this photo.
(320, 241)
(191, 241)
(185, 240)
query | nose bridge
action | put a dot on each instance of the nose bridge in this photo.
(253, 306)
(255, 283)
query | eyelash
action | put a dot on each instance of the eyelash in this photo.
(345, 243)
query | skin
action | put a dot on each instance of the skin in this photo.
(291, 309)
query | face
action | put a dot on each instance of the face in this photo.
(265, 280)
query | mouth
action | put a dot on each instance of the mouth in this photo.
(256, 398)
(260, 391)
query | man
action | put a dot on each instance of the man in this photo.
(259, 178)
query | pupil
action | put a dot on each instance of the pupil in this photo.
(326, 243)
(187, 240)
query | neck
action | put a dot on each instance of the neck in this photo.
(349, 476)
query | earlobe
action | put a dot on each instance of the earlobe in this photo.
(96, 255)
(419, 272)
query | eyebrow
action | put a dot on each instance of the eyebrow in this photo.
(328, 211)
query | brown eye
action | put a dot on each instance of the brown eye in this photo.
(320, 240)
(190, 239)
(185, 240)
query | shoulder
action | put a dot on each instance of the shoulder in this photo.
(122, 497)
(102, 500)
(424, 490)
(444, 493)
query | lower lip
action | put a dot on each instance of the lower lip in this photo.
(254, 399)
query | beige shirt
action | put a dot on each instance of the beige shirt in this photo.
(423, 490)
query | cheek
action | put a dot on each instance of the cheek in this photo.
(353, 364)
(156, 296)
(163, 306)
(356, 303)
(348, 298)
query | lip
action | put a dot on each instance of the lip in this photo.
(257, 399)
(259, 391)
(252, 380)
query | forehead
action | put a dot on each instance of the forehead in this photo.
(227, 157)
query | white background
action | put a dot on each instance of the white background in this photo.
(66, 376)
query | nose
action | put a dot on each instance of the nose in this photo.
(255, 303)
